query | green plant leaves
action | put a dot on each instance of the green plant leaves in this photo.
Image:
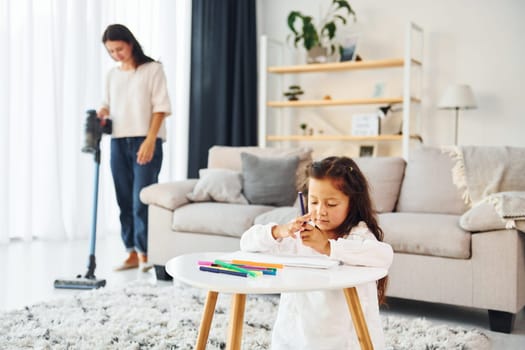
(291, 19)
(344, 4)
(308, 33)
(329, 28)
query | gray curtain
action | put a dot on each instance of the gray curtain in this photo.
(223, 92)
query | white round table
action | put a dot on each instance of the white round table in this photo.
(185, 268)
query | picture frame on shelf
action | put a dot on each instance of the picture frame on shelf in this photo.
(365, 124)
(367, 151)
(349, 47)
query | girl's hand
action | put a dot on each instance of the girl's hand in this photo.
(290, 229)
(316, 239)
(146, 151)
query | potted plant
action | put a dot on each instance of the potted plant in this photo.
(293, 92)
(319, 41)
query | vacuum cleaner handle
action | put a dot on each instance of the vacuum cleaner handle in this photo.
(92, 261)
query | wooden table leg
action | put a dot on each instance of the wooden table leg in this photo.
(236, 322)
(207, 317)
(361, 329)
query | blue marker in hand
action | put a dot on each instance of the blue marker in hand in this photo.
(301, 202)
(303, 210)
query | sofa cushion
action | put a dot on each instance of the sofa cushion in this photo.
(269, 181)
(220, 185)
(169, 195)
(229, 157)
(384, 175)
(216, 218)
(427, 186)
(278, 216)
(426, 234)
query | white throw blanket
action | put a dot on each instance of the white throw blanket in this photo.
(492, 174)
(509, 205)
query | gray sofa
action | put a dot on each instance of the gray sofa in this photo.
(445, 252)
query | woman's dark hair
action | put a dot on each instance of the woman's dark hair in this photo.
(348, 178)
(119, 32)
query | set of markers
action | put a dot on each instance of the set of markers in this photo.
(246, 268)
(240, 268)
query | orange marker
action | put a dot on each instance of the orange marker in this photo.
(258, 264)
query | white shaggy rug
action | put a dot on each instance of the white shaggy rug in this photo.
(145, 316)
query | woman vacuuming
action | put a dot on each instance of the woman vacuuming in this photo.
(136, 99)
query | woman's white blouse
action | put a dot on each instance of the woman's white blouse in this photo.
(132, 96)
(320, 320)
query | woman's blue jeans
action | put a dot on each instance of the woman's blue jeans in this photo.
(129, 178)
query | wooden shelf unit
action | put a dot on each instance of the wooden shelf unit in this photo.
(338, 138)
(348, 102)
(341, 66)
(406, 100)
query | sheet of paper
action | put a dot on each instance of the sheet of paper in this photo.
(286, 260)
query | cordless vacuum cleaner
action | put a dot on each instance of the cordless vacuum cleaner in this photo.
(95, 127)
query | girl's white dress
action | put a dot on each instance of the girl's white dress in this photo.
(320, 320)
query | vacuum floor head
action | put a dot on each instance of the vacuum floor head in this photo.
(79, 283)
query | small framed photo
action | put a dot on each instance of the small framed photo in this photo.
(349, 47)
(366, 124)
(367, 151)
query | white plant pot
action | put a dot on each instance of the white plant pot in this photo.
(320, 54)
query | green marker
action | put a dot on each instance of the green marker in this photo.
(235, 268)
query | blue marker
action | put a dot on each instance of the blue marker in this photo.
(225, 271)
(303, 211)
(301, 202)
(235, 268)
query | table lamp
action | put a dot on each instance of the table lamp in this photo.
(457, 97)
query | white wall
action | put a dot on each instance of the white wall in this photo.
(474, 42)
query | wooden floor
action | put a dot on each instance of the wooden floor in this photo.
(28, 269)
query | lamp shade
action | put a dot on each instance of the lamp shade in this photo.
(457, 96)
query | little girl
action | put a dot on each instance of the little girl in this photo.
(341, 224)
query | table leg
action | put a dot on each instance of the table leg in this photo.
(358, 318)
(236, 322)
(207, 316)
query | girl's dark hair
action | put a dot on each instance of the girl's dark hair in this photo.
(119, 32)
(348, 178)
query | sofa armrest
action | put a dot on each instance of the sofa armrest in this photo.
(170, 195)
